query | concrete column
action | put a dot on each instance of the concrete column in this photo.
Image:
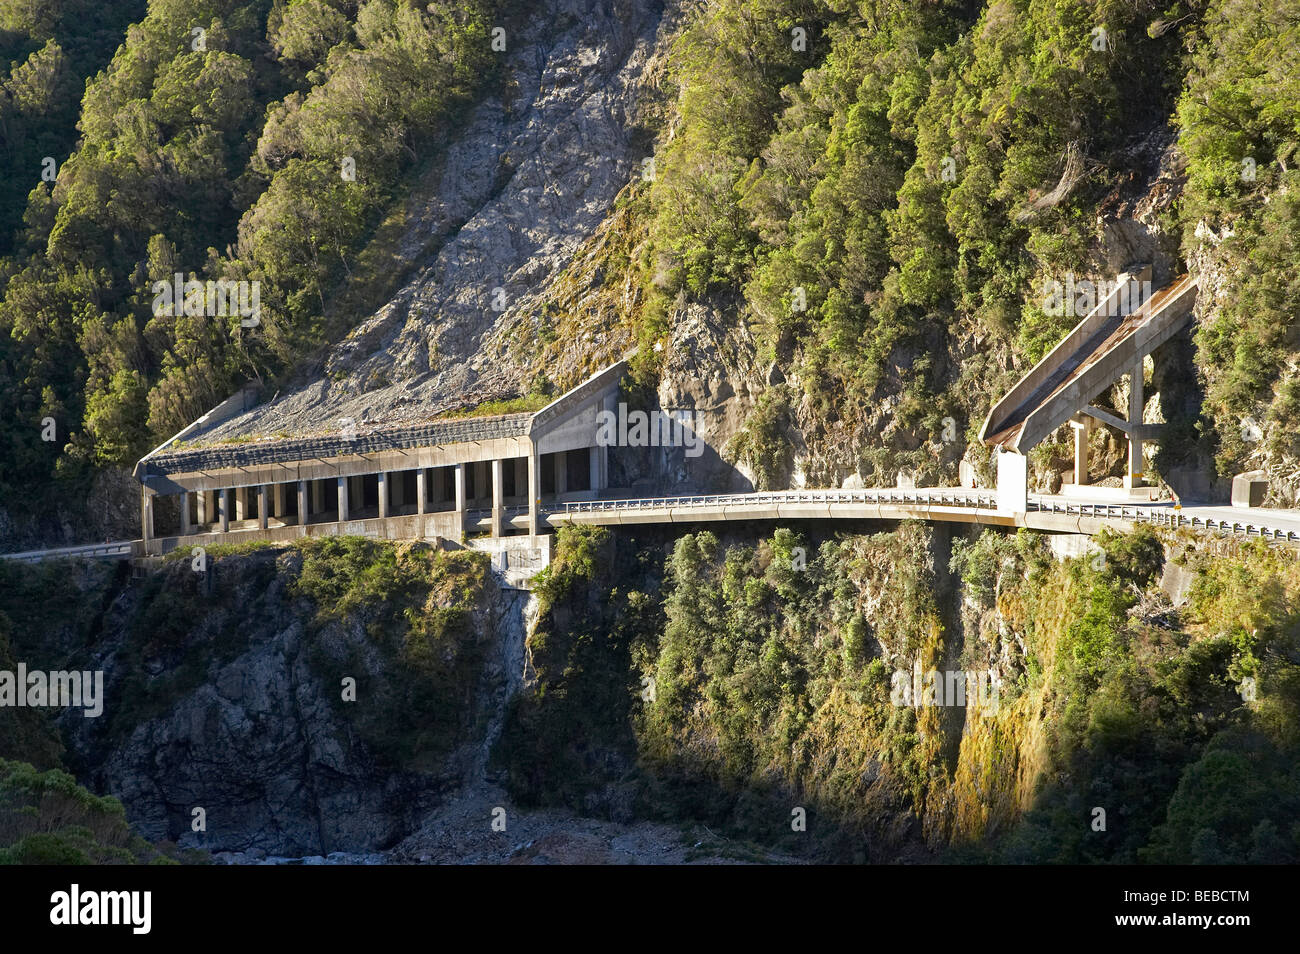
(261, 507)
(602, 452)
(146, 516)
(1082, 437)
(534, 492)
(224, 507)
(460, 502)
(343, 499)
(201, 504)
(281, 502)
(317, 496)
(383, 494)
(185, 514)
(302, 503)
(241, 503)
(422, 490)
(498, 503)
(1136, 401)
(594, 455)
(561, 459)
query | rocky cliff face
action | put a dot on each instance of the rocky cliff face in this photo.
(529, 180)
(224, 695)
(109, 510)
(521, 223)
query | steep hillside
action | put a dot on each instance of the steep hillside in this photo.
(679, 697)
(826, 227)
(739, 680)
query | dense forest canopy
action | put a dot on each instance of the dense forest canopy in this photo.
(223, 140)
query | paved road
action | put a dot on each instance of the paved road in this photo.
(118, 550)
(1046, 512)
(955, 504)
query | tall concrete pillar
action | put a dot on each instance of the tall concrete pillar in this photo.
(281, 509)
(146, 516)
(534, 492)
(241, 503)
(498, 501)
(422, 490)
(561, 459)
(460, 502)
(302, 503)
(1136, 401)
(594, 459)
(1013, 482)
(383, 493)
(201, 504)
(262, 522)
(223, 506)
(186, 530)
(602, 452)
(1082, 437)
(317, 496)
(343, 499)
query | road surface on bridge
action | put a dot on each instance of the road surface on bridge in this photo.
(1046, 512)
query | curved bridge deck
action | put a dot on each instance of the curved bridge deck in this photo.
(1045, 512)
(955, 505)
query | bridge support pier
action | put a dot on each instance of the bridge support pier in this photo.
(343, 499)
(422, 491)
(185, 514)
(223, 504)
(302, 503)
(262, 521)
(383, 493)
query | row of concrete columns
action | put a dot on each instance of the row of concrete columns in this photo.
(216, 506)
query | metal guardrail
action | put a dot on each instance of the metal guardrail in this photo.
(1164, 516)
(930, 498)
(1160, 516)
(96, 551)
(1167, 517)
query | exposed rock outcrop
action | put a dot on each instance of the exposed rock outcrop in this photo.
(222, 695)
(533, 175)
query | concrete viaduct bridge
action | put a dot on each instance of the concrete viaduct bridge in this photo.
(499, 483)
